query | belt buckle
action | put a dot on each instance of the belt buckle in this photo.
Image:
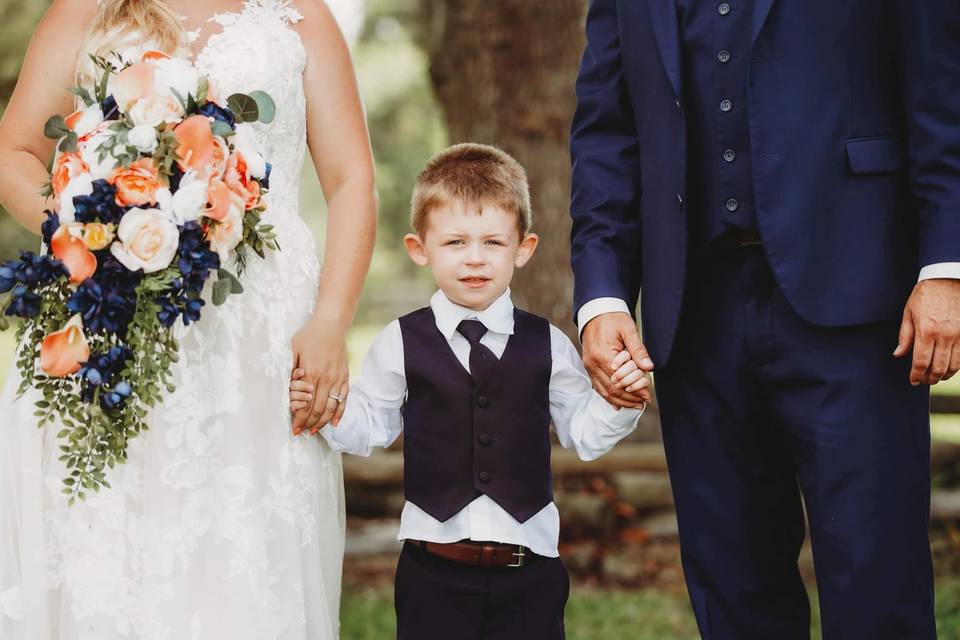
(520, 555)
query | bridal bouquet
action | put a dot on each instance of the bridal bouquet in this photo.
(155, 190)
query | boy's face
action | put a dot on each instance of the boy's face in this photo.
(472, 254)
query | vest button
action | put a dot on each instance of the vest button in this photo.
(483, 402)
(484, 476)
(732, 205)
(485, 439)
(724, 56)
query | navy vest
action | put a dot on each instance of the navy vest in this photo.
(716, 40)
(460, 440)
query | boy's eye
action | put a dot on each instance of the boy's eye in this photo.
(450, 242)
(495, 242)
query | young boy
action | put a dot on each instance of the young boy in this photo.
(474, 384)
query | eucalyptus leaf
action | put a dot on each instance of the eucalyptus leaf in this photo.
(244, 107)
(221, 291)
(69, 143)
(222, 129)
(266, 105)
(55, 128)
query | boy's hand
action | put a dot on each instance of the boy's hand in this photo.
(301, 392)
(629, 377)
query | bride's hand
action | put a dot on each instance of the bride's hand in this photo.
(320, 351)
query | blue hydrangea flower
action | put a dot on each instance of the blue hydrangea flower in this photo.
(101, 369)
(196, 259)
(49, 227)
(117, 396)
(265, 181)
(99, 206)
(212, 110)
(24, 303)
(109, 108)
(107, 301)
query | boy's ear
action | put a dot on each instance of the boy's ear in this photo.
(418, 253)
(528, 247)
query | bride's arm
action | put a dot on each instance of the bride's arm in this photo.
(41, 91)
(340, 147)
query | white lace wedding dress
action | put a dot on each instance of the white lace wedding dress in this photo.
(222, 525)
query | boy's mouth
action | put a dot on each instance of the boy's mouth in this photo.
(475, 281)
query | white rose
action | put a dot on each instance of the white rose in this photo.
(90, 153)
(143, 137)
(190, 199)
(81, 185)
(245, 142)
(155, 110)
(177, 74)
(86, 120)
(146, 239)
(225, 235)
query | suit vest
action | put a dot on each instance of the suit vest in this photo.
(462, 440)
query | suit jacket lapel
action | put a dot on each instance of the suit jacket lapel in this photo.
(667, 32)
(761, 10)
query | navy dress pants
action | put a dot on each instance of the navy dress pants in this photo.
(760, 407)
(437, 599)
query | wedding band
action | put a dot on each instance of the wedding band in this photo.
(337, 398)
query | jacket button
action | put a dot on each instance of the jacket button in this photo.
(726, 105)
(732, 205)
(723, 56)
(484, 476)
(679, 201)
(483, 402)
(485, 439)
(724, 9)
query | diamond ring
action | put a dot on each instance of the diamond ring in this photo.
(337, 398)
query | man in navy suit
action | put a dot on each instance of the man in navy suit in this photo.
(779, 182)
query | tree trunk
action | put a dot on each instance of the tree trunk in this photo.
(504, 72)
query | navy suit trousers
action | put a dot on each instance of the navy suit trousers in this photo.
(436, 599)
(760, 407)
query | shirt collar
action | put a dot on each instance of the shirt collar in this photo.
(498, 317)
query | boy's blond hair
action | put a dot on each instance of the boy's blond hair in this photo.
(476, 174)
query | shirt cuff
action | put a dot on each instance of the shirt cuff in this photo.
(950, 270)
(597, 307)
(617, 419)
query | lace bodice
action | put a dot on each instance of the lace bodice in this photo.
(258, 49)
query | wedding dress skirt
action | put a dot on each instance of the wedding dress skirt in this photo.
(222, 525)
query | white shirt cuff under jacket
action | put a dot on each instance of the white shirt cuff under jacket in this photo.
(599, 306)
(949, 270)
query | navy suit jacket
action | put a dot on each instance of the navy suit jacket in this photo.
(854, 111)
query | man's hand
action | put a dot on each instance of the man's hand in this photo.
(603, 339)
(931, 325)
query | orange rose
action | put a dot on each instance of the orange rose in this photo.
(63, 352)
(67, 167)
(136, 185)
(197, 148)
(68, 247)
(153, 54)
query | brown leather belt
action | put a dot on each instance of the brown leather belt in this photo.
(747, 237)
(478, 554)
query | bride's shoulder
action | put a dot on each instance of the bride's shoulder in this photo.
(65, 24)
(74, 11)
(317, 25)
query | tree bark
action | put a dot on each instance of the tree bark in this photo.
(504, 73)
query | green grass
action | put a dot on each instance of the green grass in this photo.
(645, 614)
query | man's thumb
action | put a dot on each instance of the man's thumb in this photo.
(633, 344)
(906, 336)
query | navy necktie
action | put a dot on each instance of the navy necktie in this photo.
(482, 359)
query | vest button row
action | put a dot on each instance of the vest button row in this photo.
(484, 477)
(485, 439)
(483, 402)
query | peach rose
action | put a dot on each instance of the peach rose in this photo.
(221, 200)
(63, 352)
(136, 185)
(132, 84)
(146, 239)
(85, 121)
(155, 110)
(68, 247)
(97, 235)
(67, 166)
(226, 234)
(237, 177)
(198, 149)
(153, 54)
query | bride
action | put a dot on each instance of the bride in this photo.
(223, 524)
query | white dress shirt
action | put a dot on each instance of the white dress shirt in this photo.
(581, 418)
